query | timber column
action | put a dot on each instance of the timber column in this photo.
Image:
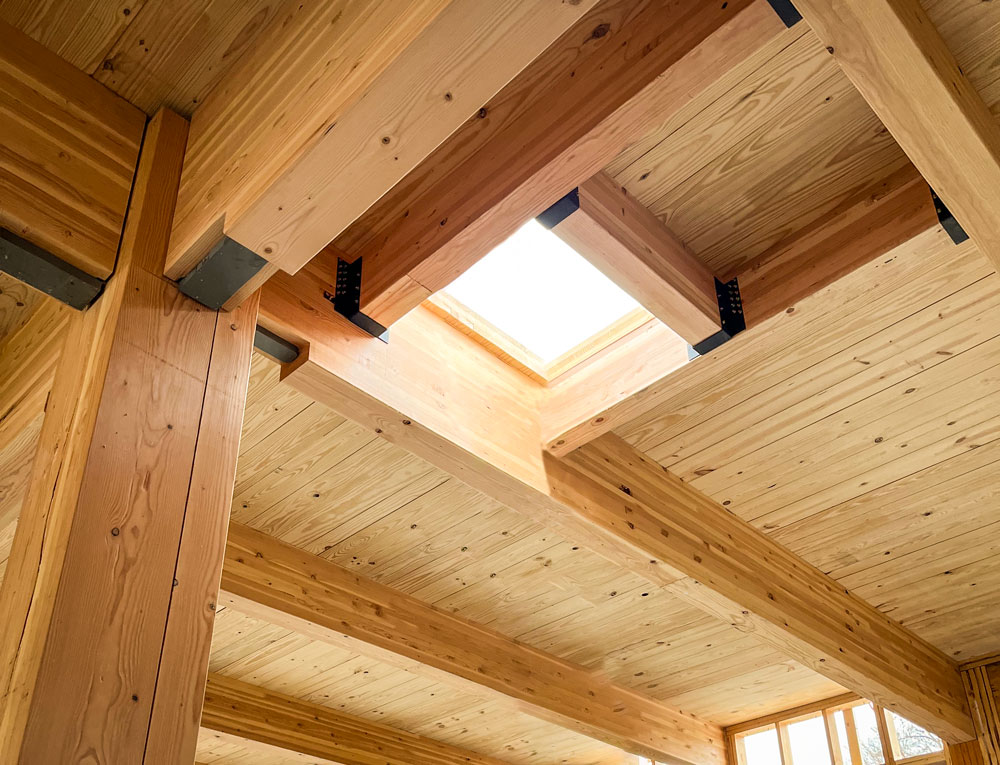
(107, 607)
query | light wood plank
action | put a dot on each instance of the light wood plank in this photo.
(304, 593)
(187, 639)
(68, 156)
(174, 52)
(285, 189)
(535, 144)
(896, 214)
(92, 630)
(899, 62)
(433, 424)
(633, 248)
(285, 723)
(28, 360)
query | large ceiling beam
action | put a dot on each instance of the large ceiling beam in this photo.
(332, 105)
(283, 585)
(633, 248)
(897, 210)
(67, 159)
(28, 361)
(480, 424)
(899, 62)
(742, 575)
(285, 724)
(633, 63)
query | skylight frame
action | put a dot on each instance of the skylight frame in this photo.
(471, 322)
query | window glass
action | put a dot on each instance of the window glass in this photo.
(807, 741)
(562, 300)
(868, 738)
(762, 748)
(911, 740)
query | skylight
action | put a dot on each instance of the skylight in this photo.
(538, 291)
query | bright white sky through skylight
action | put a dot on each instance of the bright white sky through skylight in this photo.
(535, 288)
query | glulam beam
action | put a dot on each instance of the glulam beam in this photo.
(68, 156)
(900, 64)
(480, 424)
(282, 155)
(301, 592)
(631, 246)
(632, 63)
(283, 725)
(890, 213)
(107, 603)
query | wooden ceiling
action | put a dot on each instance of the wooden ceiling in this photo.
(863, 435)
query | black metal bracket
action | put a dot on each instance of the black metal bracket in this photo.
(951, 226)
(347, 299)
(220, 275)
(45, 272)
(787, 12)
(274, 346)
(730, 314)
(561, 210)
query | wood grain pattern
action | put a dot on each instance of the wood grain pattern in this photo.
(282, 201)
(442, 219)
(338, 372)
(80, 33)
(632, 247)
(28, 359)
(894, 216)
(898, 60)
(88, 587)
(864, 227)
(17, 302)
(176, 713)
(285, 723)
(276, 582)
(706, 543)
(983, 686)
(174, 52)
(387, 516)
(68, 156)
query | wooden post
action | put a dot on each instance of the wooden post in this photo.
(982, 683)
(106, 610)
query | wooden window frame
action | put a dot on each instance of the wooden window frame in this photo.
(827, 709)
(512, 352)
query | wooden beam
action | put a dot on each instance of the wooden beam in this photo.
(416, 69)
(899, 62)
(286, 723)
(742, 575)
(634, 249)
(68, 155)
(870, 223)
(105, 614)
(967, 753)
(620, 371)
(481, 426)
(534, 143)
(296, 590)
(28, 360)
(982, 683)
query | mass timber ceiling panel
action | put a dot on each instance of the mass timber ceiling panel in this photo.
(867, 444)
(216, 748)
(782, 146)
(387, 515)
(165, 53)
(256, 652)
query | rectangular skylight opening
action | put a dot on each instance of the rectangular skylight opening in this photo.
(541, 301)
